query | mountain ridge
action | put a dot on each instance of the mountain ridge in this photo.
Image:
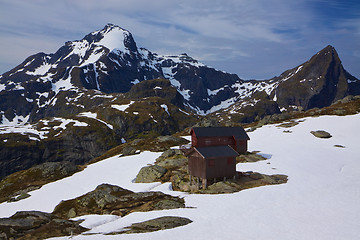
(96, 93)
(110, 61)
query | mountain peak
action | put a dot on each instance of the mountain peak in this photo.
(112, 37)
(328, 49)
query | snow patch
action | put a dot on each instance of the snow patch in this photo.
(135, 81)
(63, 84)
(42, 70)
(165, 107)
(94, 116)
(122, 107)
(114, 39)
(2, 87)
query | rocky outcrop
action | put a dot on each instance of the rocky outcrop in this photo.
(150, 174)
(35, 225)
(74, 145)
(250, 157)
(156, 224)
(110, 199)
(17, 185)
(321, 134)
(156, 88)
(243, 181)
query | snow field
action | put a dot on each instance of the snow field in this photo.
(320, 200)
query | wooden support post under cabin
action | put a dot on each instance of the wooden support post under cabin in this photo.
(204, 183)
(190, 179)
(224, 179)
(214, 180)
(235, 177)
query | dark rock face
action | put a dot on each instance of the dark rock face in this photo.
(157, 88)
(37, 225)
(199, 79)
(110, 199)
(74, 146)
(319, 82)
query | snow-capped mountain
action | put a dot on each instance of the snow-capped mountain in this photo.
(109, 60)
(70, 105)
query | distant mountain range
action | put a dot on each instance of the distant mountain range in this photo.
(94, 93)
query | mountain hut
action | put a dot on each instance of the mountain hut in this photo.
(213, 152)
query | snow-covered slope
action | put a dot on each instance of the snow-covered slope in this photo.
(320, 200)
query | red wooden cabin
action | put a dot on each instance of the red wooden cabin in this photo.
(212, 163)
(235, 137)
(213, 152)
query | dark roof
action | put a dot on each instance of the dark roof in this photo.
(237, 132)
(217, 151)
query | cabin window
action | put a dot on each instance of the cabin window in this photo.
(230, 161)
(211, 162)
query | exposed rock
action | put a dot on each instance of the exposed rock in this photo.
(150, 174)
(169, 139)
(110, 199)
(347, 99)
(128, 150)
(172, 163)
(340, 112)
(16, 185)
(323, 80)
(157, 88)
(288, 124)
(207, 122)
(169, 153)
(61, 169)
(321, 134)
(156, 144)
(22, 196)
(75, 146)
(172, 159)
(37, 225)
(250, 157)
(156, 224)
(243, 181)
(168, 204)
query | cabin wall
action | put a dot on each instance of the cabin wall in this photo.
(241, 146)
(214, 141)
(197, 165)
(194, 141)
(220, 167)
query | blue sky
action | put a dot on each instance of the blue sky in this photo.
(256, 39)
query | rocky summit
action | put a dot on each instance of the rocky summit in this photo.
(101, 91)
